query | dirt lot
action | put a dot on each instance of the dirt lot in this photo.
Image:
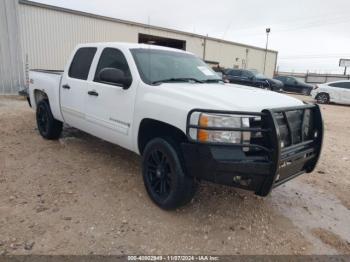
(81, 195)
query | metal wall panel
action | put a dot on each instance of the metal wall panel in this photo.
(11, 63)
(40, 36)
(238, 56)
(48, 35)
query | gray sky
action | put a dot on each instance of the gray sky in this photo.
(309, 35)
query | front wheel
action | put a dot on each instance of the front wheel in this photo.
(163, 173)
(322, 98)
(48, 126)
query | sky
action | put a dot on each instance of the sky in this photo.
(310, 35)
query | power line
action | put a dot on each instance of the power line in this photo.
(295, 25)
(315, 56)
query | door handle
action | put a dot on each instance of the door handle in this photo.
(66, 86)
(93, 93)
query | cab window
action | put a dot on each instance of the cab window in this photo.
(290, 81)
(81, 63)
(112, 58)
(235, 73)
(345, 85)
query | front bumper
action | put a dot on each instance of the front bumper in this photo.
(276, 86)
(266, 168)
(313, 93)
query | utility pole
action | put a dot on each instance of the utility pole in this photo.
(268, 30)
(246, 58)
(205, 46)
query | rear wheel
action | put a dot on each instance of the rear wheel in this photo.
(163, 173)
(48, 126)
(322, 98)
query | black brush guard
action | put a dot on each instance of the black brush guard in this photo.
(290, 145)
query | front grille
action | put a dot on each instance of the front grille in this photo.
(294, 126)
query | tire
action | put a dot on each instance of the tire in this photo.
(163, 174)
(322, 98)
(48, 126)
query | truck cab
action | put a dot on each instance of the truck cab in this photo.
(188, 125)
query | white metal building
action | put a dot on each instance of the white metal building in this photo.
(35, 35)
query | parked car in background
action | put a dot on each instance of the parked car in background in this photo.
(251, 78)
(295, 85)
(336, 92)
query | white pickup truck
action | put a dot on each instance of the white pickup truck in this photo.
(170, 107)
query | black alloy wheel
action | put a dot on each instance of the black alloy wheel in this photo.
(48, 126)
(322, 98)
(164, 177)
(43, 120)
(159, 174)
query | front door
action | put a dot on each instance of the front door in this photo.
(74, 87)
(110, 108)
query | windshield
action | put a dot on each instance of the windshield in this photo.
(299, 81)
(157, 66)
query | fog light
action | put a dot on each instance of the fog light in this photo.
(237, 179)
(242, 181)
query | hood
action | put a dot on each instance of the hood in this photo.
(224, 97)
(309, 86)
(277, 82)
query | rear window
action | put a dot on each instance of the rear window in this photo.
(341, 85)
(81, 63)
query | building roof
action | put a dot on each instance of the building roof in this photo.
(132, 46)
(76, 12)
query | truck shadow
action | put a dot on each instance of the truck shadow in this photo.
(219, 213)
(125, 165)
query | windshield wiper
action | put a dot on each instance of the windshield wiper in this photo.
(213, 80)
(180, 79)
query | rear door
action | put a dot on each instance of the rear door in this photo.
(74, 87)
(110, 108)
(340, 92)
(347, 93)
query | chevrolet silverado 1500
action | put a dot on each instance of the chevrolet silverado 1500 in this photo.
(170, 107)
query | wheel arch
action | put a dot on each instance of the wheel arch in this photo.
(324, 92)
(151, 128)
(40, 95)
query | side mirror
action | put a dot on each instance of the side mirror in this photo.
(114, 76)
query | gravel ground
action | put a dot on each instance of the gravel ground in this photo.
(81, 195)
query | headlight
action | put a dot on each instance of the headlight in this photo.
(216, 128)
